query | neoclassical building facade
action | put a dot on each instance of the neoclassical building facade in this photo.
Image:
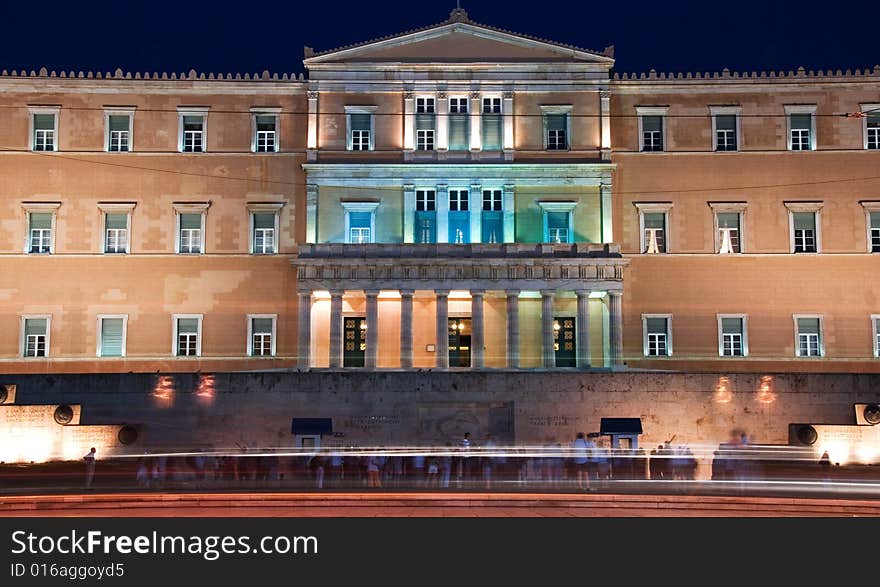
(454, 197)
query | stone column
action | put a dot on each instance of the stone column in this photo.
(605, 124)
(507, 113)
(475, 206)
(442, 347)
(442, 121)
(406, 328)
(409, 122)
(409, 213)
(442, 208)
(311, 213)
(583, 329)
(476, 121)
(548, 354)
(607, 214)
(478, 337)
(304, 329)
(508, 205)
(336, 328)
(371, 356)
(615, 335)
(512, 328)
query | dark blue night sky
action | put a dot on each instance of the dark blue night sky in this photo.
(253, 36)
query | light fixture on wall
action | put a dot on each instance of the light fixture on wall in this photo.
(722, 393)
(765, 390)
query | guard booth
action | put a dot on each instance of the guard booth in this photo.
(624, 432)
(307, 432)
(627, 461)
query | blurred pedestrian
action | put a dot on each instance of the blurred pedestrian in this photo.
(581, 461)
(825, 465)
(90, 467)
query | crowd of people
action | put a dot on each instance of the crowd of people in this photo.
(581, 464)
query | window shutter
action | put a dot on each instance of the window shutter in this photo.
(492, 132)
(458, 132)
(652, 123)
(360, 121)
(192, 122)
(556, 121)
(424, 121)
(116, 221)
(656, 325)
(725, 122)
(44, 122)
(874, 120)
(728, 220)
(808, 325)
(262, 326)
(875, 219)
(804, 220)
(111, 337)
(187, 325)
(731, 325)
(34, 326)
(264, 220)
(118, 122)
(359, 219)
(653, 220)
(41, 220)
(800, 121)
(265, 122)
(557, 220)
(189, 221)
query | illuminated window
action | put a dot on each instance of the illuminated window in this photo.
(728, 232)
(118, 132)
(261, 335)
(871, 122)
(874, 230)
(44, 124)
(657, 333)
(652, 133)
(426, 216)
(360, 221)
(459, 137)
(35, 336)
(557, 217)
(556, 127)
(266, 127)
(40, 226)
(425, 124)
(188, 335)
(111, 336)
(732, 340)
(360, 123)
(805, 237)
(492, 219)
(492, 121)
(193, 123)
(801, 120)
(264, 233)
(116, 232)
(725, 132)
(190, 237)
(808, 335)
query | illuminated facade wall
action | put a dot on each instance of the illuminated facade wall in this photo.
(319, 187)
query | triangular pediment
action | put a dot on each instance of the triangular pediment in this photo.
(458, 40)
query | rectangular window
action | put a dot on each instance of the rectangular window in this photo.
(426, 216)
(872, 129)
(875, 321)
(459, 136)
(492, 220)
(728, 232)
(188, 330)
(656, 336)
(36, 337)
(809, 337)
(459, 217)
(558, 226)
(118, 128)
(655, 232)
(264, 233)
(266, 129)
(190, 233)
(40, 230)
(425, 124)
(458, 200)
(115, 233)
(556, 127)
(652, 133)
(261, 337)
(44, 132)
(804, 226)
(874, 219)
(361, 125)
(492, 122)
(360, 227)
(193, 133)
(112, 343)
(801, 125)
(725, 132)
(732, 337)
